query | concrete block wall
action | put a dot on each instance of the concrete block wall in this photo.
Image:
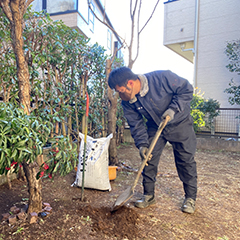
(212, 144)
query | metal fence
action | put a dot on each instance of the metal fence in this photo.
(226, 125)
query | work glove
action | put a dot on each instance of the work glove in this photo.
(143, 152)
(170, 113)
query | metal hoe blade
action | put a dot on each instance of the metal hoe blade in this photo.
(123, 198)
(128, 193)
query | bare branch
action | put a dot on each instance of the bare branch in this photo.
(130, 61)
(24, 5)
(29, 2)
(6, 9)
(138, 33)
(106, 24)
(150, 16)
(135, 7)
(114, 55)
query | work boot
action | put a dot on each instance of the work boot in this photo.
(146, 201)
(188, 205)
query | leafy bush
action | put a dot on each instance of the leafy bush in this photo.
(233, 53)
(62, 158)
(210, 108)
(203, 111)
(234, 90)
(22, 137)
(197, 115)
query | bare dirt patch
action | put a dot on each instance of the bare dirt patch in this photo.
(216, 216)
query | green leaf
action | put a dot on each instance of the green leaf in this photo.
(58, 155)
(56, 167)
(20, 143)
(2, 156)
(26, 129)
(38, 175)
(14, 153)
(26, 150)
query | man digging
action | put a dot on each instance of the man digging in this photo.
(153, 96)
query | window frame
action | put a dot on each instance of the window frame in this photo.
(91, 14)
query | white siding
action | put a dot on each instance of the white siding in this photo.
(179, 21)
(219, 22)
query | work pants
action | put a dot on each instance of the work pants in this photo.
(183, 140)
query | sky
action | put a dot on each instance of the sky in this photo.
(153, 54)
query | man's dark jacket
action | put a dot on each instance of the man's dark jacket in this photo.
(164, 90)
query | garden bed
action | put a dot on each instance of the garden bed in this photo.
(216, 216)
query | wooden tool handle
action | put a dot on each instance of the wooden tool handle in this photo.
(150, 149)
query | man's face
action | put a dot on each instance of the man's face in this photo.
(125, 93)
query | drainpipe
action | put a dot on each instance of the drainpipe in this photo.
(195, 43)
(194, 49)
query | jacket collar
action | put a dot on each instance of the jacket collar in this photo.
(144, 87)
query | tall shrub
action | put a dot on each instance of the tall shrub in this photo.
(203, 111)
(233, 53)
(56, 57)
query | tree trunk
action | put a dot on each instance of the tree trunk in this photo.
(9, 180)
(34, 187)
(22, 66)
(122, 140)
(70, 128)
(112, 113)
(15, 10)
(104, 134)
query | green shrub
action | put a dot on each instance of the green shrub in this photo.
(22, 137)
(203, 111)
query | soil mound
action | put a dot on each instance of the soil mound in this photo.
(121, 223)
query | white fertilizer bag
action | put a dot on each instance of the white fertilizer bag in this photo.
(96, 163)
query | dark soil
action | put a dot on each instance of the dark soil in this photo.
(216, 216)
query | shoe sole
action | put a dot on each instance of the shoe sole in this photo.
(145, 206)
(188, 211)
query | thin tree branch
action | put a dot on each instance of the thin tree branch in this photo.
(6, 9)
(106, 24)
(150, 16)
(26, 5)
(138, 33)
(135, 7)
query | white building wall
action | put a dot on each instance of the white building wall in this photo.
(179, 21)
(219, 22)
(79, 20)
(99, 34)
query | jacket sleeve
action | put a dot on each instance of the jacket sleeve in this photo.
(181, 89)
(136, 124)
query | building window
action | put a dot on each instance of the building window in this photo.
(55, 6)
(91, 17)
(37, 5)
(170, 1)
(109, 39)
(83, 9)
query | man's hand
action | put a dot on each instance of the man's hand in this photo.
(170, 113)
(143, 152)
